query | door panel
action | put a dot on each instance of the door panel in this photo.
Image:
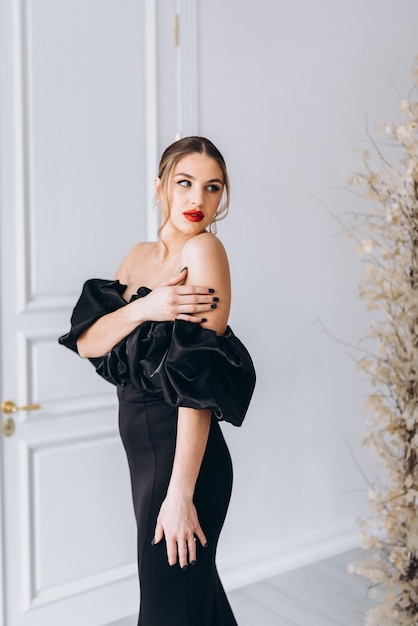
(85, 135)
(75, 542)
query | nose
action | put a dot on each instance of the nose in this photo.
(197, 196)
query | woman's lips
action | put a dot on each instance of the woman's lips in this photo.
(194, 216)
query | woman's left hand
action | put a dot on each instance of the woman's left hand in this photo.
(179, 524)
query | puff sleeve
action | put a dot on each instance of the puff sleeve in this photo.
(97, 298)
(193, 367)
(190, 365)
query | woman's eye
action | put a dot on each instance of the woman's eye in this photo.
(213, 188)
(184, 183)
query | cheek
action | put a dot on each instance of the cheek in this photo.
(177, 195)
(216, 201)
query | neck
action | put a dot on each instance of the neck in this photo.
(171, 242)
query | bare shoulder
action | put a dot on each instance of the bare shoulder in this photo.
(205, 247)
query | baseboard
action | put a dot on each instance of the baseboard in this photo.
(286, 556)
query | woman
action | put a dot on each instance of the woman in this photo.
(179, 369)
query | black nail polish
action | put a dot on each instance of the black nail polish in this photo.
(215, 299)
(192, 562)
(203, 319)
(213, 306)
(184, 567)
(171, 564)
(153, 541)
(206, 545)
(211, 290)
(184, 269)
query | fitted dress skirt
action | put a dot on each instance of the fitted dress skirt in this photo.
(170, 596)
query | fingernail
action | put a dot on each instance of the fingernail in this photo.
(215, 299)
(184, 567)
(213, 306)
(192, 562)
(206, 545)
(171, 564)
(153, 541)
(203, 319)
(184, 269)
(211, 290)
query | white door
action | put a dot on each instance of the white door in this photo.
(75, 153)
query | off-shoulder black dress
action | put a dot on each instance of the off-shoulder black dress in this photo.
(159, 367)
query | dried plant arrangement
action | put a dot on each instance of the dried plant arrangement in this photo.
(388, 242)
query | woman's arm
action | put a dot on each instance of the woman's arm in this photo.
(178, 519)
(169, 301)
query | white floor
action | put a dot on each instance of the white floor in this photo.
(322, 594)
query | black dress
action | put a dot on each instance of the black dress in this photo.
(159, 367)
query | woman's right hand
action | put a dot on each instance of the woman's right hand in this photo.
(173, 300)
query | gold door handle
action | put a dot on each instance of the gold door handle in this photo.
(8, 407)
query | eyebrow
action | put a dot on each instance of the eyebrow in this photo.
(212, 180)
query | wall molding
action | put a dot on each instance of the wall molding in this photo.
(289, 555)
(49, 302)
(27, 343)
(125, 573)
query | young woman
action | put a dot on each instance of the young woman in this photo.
(159, 332)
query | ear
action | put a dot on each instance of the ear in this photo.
(157, 186)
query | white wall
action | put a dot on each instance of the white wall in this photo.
(285, 88)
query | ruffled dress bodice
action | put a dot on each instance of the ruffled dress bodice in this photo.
(191, 366)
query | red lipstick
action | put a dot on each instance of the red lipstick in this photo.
(194, 216)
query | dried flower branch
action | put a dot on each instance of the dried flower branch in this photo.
(389, 285)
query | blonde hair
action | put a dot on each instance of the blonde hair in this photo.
(181, 148)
